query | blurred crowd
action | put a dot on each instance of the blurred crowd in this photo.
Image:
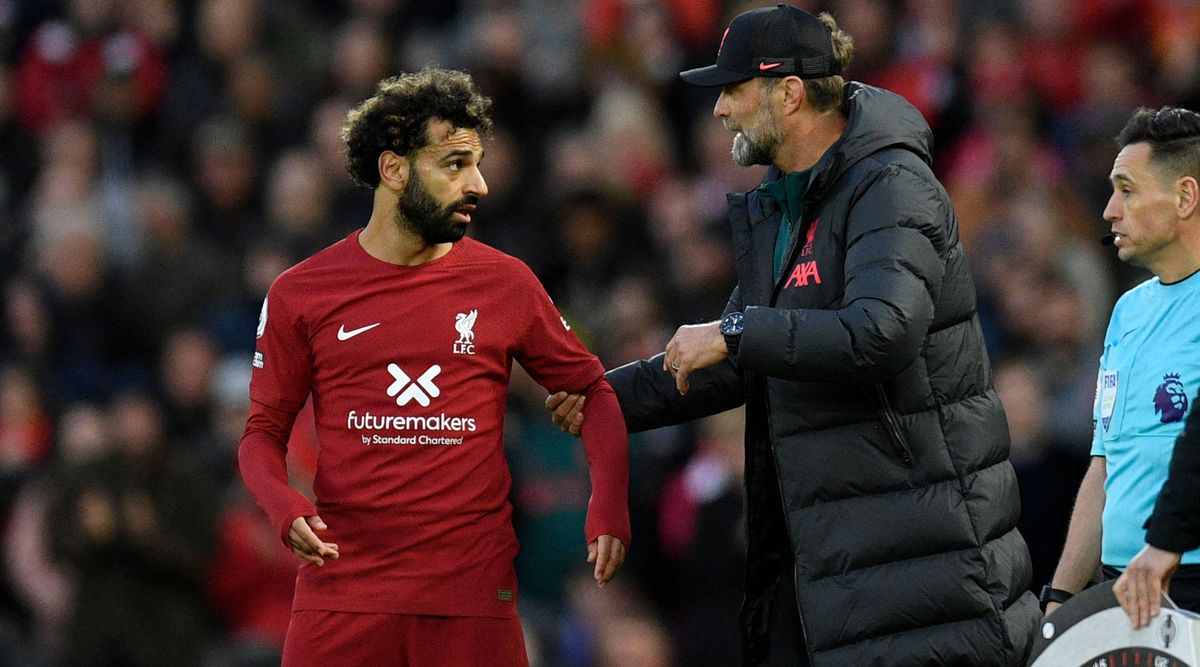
(162, 161)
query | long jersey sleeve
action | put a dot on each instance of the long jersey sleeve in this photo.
(606, 444)
(262, 459)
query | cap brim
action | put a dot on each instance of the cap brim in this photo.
(713, 76)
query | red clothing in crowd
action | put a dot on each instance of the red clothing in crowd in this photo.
(61, 73)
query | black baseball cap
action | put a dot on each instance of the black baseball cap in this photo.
(769, 41)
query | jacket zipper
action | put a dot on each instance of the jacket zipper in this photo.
(787, 528)
(891, 422)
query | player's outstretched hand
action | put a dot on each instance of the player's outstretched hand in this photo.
(607, 552)
(1144, 580)
(305, 543)
(566, 410)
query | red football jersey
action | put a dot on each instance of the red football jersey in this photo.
(408, 367)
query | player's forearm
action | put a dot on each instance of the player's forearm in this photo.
(606, 444)
(1081, 553)
(262, 458)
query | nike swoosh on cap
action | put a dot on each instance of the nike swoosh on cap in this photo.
(347, 335)
(766, 66)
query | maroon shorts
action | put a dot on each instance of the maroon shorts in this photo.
(401, 640)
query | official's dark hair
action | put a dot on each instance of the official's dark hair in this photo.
(396, 118)
(1174, 137)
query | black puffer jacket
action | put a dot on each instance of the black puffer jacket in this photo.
(876, 447)
(1175, 523)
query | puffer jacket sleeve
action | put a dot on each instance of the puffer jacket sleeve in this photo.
(1175, 523)
(649, 398)
(895, 233)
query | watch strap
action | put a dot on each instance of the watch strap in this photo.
(731, 343)
(1051, 594)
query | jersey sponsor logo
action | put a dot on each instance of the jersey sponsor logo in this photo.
(464, 324)
(406, 390)
(262, 320)
(347, 335)
(439, 422)
(1171, 399)
(399, 428)
(257, 361)
(564, 321)
(803, 272)
(411, 429)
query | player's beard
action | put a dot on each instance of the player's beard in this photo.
(759, 144)
(419, 213)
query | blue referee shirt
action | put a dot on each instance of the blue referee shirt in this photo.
(1149, 372)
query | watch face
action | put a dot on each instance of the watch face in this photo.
(732, 324)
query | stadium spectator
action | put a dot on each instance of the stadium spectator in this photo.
(137, 528)
(68, 64)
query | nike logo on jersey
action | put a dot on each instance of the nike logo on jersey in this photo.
(347, 335)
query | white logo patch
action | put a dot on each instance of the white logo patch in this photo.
(262, 320)
(404, 389)
(1108, 397)
(257, 361)
(347, 335)
(464, 323)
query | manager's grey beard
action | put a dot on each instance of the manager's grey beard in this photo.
(759, 145)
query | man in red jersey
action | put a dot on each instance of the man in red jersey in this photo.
(404, 333)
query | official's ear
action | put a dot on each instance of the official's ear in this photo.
(393, 170)
(1187, 196)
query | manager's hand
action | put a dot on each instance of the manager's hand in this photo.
(1140, 587)
(566, 410)
(694, 346)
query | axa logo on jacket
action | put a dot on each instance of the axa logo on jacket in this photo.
(804, 272)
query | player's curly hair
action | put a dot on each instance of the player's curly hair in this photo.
(1174, 137)
(396, 117)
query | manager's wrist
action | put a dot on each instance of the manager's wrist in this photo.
(731, 327)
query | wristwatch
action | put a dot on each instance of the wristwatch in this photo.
(1050, 594)
(731, 328)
